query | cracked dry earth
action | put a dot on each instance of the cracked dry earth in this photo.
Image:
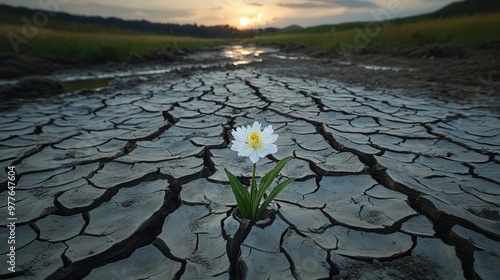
(128, 183)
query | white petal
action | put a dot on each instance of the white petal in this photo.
(240, 133)
(245, 151)
(268, 135)
(254, 157)
(238, 145)
(273, 148)
(268, 130)
(267, 149)
(237, 142)
(234, 141)
(255, 127)
(270, 139)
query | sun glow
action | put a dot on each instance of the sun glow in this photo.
(244, 21)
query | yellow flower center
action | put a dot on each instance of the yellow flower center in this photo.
(255, 140)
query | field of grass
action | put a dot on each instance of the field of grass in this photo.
(465, 30)
(89, 47)
(91, 44)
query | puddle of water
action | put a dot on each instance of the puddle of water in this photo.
(101, 76)
(7, 82)
(71, 82)
(69, 77)
(383, 68)
(75, 85)
(236, 55)
(241, 62)
(286, 57)
(241, 55)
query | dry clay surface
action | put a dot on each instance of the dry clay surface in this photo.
(128, 182)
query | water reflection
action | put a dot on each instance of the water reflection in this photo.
(288, 57)
(240, 55)
(234, 54)
(384, 68)
(216, 57)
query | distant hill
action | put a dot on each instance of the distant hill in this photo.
(292, 27)
(76, 23)
(468, 7)
(463, 8)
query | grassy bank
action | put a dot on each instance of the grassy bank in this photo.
(94, 47)
(466, 30)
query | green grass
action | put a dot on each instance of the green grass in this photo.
(465, 30)
(95, 47)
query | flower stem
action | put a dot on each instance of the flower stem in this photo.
(253, 175)
(253, 195)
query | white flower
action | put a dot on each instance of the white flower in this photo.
(251, 142)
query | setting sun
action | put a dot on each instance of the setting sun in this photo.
(244, 21)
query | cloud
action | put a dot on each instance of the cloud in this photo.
(305, 5)
(255, 4)
(312, 4)
(440, 1)
(325, 19)
(352, 3)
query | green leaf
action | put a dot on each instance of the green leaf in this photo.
(241, 194)
(273, 195)
(269, 177)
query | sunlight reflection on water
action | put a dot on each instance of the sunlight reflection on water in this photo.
(220, 57)
(234, 54)
(241, 55)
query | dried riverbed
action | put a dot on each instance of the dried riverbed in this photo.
(127, 181)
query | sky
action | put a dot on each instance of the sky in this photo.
(241, 13)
